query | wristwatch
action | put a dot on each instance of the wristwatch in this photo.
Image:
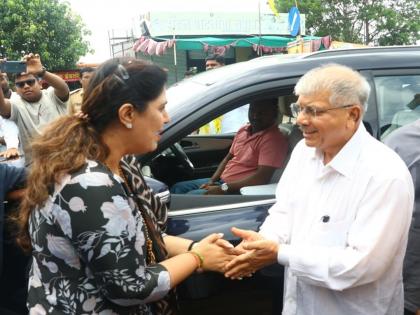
(224, 187)
(42, 72)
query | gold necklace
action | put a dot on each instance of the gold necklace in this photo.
(151, 258)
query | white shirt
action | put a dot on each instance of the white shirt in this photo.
(351, 263)
(10, 132)
(32, 117)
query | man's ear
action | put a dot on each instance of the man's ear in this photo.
(355, 113)
(126, 114)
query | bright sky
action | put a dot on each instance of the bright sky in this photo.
(119, 16)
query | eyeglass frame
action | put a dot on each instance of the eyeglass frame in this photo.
(314, 110)
(29, 82)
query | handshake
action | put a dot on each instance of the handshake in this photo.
(252, 254)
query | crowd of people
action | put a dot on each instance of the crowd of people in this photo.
(96, 232)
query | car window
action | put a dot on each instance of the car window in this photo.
(398, 101)
(227, 123)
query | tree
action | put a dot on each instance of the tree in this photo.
(388, 22)
(46, 27)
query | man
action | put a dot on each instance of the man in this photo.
(76, 96)
(9, 133)
(4, 82)
(405, 141)
(258, 149)
(343, 209)
(214, 61)
(34, 108)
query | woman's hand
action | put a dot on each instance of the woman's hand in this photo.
(216, 252)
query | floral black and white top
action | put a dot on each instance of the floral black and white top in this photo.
(89, 250)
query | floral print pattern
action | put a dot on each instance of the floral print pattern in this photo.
(89, 249)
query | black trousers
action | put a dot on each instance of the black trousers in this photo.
(407, 312)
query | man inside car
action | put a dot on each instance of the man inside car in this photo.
(258, 149)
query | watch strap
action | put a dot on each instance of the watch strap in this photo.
(42, 72)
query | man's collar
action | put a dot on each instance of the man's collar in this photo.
(346, 159)
(249, 129)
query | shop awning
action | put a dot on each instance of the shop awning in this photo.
(200, 42)
(158, 45)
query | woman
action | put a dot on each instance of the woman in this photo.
(95, 227)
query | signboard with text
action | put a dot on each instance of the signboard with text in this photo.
(69, 75)
(219, 23)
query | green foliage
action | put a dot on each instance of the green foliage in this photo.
(46, 27)
(392, 22)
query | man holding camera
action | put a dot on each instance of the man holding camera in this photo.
(34, 107)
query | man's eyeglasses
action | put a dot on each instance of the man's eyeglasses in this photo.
(312, 111)
(21, 84)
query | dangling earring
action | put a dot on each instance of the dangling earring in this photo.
(129, 125)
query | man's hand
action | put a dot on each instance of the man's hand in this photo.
(418, 312)
(10, 153)
(214, 190)
(206, 185)
(257, 253)
(33, 64)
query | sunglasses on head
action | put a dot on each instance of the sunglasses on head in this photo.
(29, 82)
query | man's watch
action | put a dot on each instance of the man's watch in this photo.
(42, 72)
(224, 187)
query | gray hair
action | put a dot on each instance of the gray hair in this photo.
(346, 86)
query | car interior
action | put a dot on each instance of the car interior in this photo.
(398, 101)
(198, 155)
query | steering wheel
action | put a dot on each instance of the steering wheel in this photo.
(182, 157)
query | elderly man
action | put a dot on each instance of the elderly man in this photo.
(34, 108)
(343, 209)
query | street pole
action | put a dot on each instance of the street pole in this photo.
(259, 50)
(175, 63)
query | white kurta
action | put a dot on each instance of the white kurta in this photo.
(343, 229)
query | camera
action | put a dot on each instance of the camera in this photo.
(13, 66)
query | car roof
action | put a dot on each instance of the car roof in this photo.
(201, 89)
(363, 50)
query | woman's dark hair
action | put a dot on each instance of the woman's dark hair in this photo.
(119, 81)
(66, 143)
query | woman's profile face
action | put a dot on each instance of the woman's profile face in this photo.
(148, 125)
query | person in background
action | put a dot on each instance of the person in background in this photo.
(76, 96)
(214, 61)
(405, 141)
(9, 132)
(258, 149)
(343, 208)
(34, 108)
(5, 87)
(12, 181)
(94, 228)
